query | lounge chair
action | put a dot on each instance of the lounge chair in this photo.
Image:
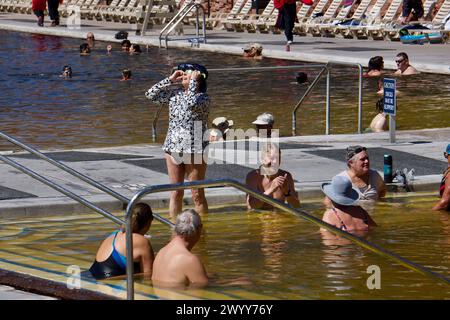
(376, 30)
(302, 16)
(312, 27)
(371, 17)
(231, 22)
(259, 21)
(217, 19)
(358, 15)
(326, 28)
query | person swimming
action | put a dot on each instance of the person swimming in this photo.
(85, 49)
(110, 260)
(67, 72)
(126, 75)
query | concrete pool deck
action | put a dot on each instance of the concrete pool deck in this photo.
(312, 160)
(426, 58)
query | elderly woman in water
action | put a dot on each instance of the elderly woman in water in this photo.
(366, 181)
(344, 212)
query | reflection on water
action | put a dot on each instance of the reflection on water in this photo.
(95, 109)
(281, 255)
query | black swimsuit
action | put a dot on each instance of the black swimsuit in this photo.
(111, 267)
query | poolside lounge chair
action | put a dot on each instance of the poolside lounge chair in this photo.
(233, 19)
(218, 18)
(371, 17)
(326, 28)
(312, 26)
(259, 21)
(345, 30)
(302, 16)
(21, 6)
(376, 30)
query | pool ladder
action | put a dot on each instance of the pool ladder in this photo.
(178, 18)
(193, 185)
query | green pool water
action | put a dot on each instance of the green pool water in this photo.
(278, 254)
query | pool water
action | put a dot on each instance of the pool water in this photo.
(95, 109)
(278, 255)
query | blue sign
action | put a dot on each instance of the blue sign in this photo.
(389, 97)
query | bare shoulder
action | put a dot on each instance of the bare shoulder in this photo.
(140, 240)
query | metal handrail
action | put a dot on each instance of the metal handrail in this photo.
(310, 87)
(178, 18)
(61, 189)
(240, 69)
(72, 172)
(275, 203)
(328, 103)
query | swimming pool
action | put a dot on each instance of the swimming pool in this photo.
(281, 255)
(95, 109)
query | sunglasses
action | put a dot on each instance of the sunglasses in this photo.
(189, 71)
(399, 61)
(352, 151)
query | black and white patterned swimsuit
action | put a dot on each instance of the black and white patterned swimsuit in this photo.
(188, 116)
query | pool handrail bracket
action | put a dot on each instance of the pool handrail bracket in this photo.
(74, 173)
(275, 203)
(178, 18)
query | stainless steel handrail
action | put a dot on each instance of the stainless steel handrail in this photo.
(61, 189)
(310, 87)
(76, 174)
(240, 69)
(277, 204)
(328, 102)
(178, 18)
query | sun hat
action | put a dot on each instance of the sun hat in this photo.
(264, 119)
(353, 150)
(340, 191)
(223, 124)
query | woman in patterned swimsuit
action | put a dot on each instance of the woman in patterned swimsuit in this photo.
(188, 118)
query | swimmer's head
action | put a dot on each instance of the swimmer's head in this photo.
(188, 224)
(84, 49)
(67, 71)
(126, 74)
(135, 48)
(90, 36)
(376, 63)
(301, 77)
(126, 45)
(141, 218)
(270, 159)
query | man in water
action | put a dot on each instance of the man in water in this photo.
(174, 264)
(403, 66)
(271, 180)
(444, 189)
